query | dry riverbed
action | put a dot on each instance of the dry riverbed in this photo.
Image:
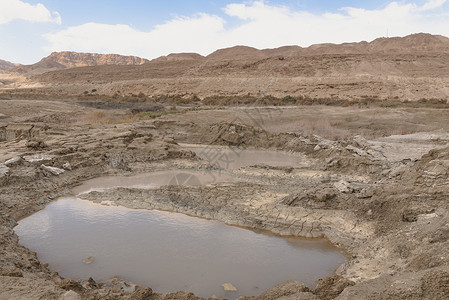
(375, 187)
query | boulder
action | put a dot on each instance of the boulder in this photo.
(52, 170)
(286, 290)
(13, 161)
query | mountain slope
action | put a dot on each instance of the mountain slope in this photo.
(6, 65)
(68, 59)
(415, 43)
(404, 68)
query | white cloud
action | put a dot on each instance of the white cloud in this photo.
(432, 4)
(180, 34)
(262, 25)
(16, 9)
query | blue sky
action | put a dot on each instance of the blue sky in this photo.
(32, 29)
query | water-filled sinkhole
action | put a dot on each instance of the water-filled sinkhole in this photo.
(169, 251)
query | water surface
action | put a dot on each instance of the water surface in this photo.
(169, 251)
(231, 158)
(154, 180)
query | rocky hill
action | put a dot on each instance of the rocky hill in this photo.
(6, 65)
(412, 44)
(402, 68)
(180, 57)
(67, 59)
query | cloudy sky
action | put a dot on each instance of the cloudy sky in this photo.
(30, 30)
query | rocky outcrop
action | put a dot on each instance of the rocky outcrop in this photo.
(414, 43)
(18, 132)
(68, 59)
(6, 65)
(409, 68)
(180, 57)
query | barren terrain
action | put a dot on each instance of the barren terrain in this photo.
(400, 69)
(382, 198)
(373, 178)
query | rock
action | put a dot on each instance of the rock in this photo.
(343, 186)
(425, 218)
(67, 166)
(183, 295)
(360, 140)
(12, 273)
(117, 161)
(411, 214)
(89, 260)
(52, 170)
(286, 289)
(325, 195)
(356, 150)
(299, 296)
(13, 161)
(70, 295)
(38, 158)
(331, 287)
(440, 235)
(145, 294)
(169, 140)
(4, 170)
(70, 284)
(18, 131)
(129, 287)
(377, 155)
(435, 285)
(229, 287)
(36, 144)
(366, 193)
(324, 143)
(90, 284)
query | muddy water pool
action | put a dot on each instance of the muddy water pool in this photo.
(154, 180)
(168, 251)
(230, 158)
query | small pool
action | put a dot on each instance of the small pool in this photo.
(169, 251)
(231, 158)
(154, 180)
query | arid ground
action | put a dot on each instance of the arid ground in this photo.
(373, 179)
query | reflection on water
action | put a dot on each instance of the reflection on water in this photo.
(169, 251)
(229, 158)
(154, 180)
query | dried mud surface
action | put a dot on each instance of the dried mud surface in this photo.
(373, 181)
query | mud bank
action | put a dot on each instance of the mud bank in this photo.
(383, 201)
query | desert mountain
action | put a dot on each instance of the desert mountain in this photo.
(411, 44)
(406, 68)
(67, 59)
(237, 52)
(180, 57)
(6, 65)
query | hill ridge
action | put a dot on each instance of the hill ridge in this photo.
(72, 59)
(7, 65)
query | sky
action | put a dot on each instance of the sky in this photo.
(32, 29)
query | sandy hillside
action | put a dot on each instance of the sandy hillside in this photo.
(68, 59)
(6, 65)
(408, 68)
